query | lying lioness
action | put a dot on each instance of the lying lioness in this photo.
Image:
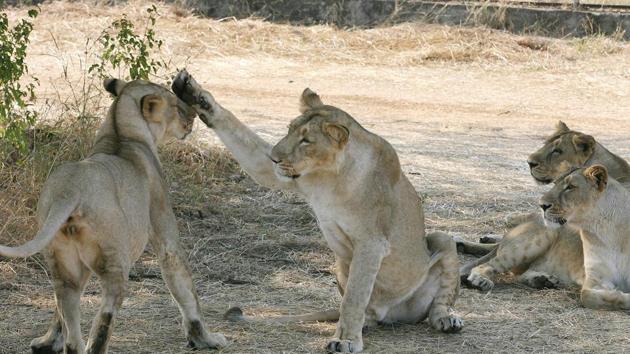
(97, 215)
(542, 257)
(600, 208)
(369, 213)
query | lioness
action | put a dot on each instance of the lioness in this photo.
(544, 257)
(600, 208)
(368, 211)
(97, 215)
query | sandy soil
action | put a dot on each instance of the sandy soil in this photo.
(462, 129)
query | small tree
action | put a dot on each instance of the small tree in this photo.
(124, 49)
(15, 98)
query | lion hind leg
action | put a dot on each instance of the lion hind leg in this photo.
(447, 272)
(69, 276)
(114, 284)
(520, 247)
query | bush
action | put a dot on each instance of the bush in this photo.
(15, 114)
(125, 50)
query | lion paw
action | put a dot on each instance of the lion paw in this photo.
(543, 281)
(344, 346)
(479, 282)
(448, 324)
(46, 349)
(199, 338)
(45, 345)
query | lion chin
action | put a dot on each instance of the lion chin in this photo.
(287, 176)
(554, 222)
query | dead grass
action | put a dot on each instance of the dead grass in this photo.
(462, 106)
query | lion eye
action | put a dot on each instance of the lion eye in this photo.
(304, 141)
(569, 187)
(556, 151)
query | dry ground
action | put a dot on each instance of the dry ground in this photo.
(463, 108)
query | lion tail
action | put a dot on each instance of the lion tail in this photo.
(57, 216)
(465, 269)
(236, 314)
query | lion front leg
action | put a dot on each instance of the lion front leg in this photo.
(364, 267)
(249, 149)
(520, 247)
(178, 278)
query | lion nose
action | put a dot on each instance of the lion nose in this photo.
(274, 156)
(532, 164)
(544, 206)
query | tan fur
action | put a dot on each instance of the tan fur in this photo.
(97, 215)
(600, 208)
(547, 258)
(368, 211)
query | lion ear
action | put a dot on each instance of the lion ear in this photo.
(309, 100)
(114, 86)
(152, 105)
(337, 132)
(562, 127)
(598, 175)
(584, 143)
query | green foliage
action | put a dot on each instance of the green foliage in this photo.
(15, 97)
(125, 50)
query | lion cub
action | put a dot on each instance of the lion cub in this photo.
(97, 215)
(599, 207)
(387, 269)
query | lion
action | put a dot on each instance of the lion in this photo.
(97, 215)
(599, 207)
(544, 258)
(369, 213)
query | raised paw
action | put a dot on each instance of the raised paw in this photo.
(479, 282)
(448, 324)
(199, 338)
(183, 87)
(186, 88)
(344, 346)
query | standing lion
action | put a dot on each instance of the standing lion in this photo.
(97, 215)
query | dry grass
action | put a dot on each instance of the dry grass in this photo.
(462, 106)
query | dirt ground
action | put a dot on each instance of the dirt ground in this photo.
(462, 107)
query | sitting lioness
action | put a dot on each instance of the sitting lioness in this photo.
(600, 208)
(368, 211)
(543, 257)
(96, 216)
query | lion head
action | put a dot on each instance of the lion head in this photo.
(573, 194)
(314, 141)
(563, 151)
(165, 115)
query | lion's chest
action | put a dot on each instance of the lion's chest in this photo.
(337, 238)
